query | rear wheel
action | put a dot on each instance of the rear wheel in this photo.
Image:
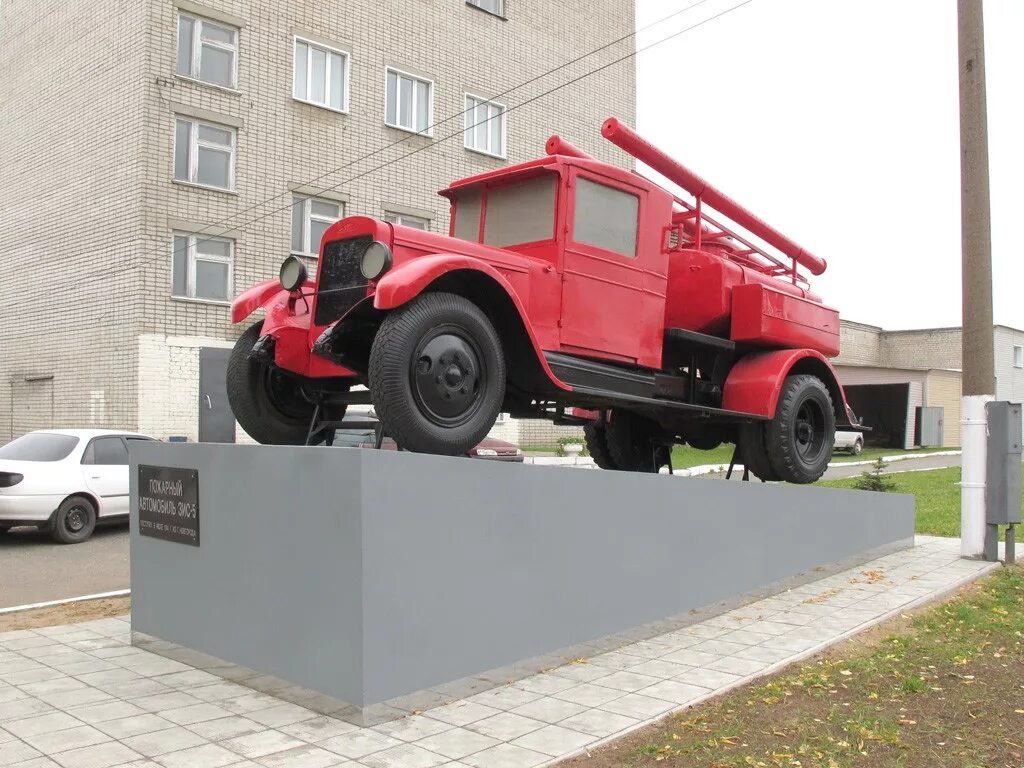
(858, 446)
(631, 443)
(597, 444)
(269, 404)
(437, 374)
(74, 520)
(800, 438)
(754, 452)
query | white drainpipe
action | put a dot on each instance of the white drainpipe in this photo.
(973, 441)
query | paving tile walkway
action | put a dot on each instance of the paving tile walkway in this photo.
(80, 696)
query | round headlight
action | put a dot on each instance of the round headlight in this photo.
(293, 273)
(376, 260)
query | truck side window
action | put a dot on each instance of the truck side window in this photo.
(521, 212)
(605, 217)
(467, 216)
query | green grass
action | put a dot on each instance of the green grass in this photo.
(937, 494)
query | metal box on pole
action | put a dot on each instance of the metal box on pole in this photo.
(1002, 475)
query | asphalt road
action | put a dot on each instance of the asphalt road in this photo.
(34, 568)
(925, 462)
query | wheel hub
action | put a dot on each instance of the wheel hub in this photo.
(447, 377)
(75, 520)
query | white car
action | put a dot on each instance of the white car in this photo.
(849, 441)
(65, 481)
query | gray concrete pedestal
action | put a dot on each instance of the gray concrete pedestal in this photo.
(370, 576)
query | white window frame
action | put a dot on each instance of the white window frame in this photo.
(194, 144)
(197, 48)
(394, 217)
(192, 254)
(470, 115)
(500, 12)
(327, 74)
(1018, 356)
(308, 215)
(429, 130)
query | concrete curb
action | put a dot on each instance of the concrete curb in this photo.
(51, 603)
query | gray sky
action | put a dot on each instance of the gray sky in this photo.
(837, 122)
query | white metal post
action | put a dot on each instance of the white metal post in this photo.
(974, 442)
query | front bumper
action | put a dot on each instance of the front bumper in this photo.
(28, 510)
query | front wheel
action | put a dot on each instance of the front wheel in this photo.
(632, 443)
(437, 374)
(800, 438)
(268, 404)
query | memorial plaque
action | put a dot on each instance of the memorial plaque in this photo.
(169, 504)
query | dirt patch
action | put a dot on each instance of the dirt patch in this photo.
(941, 687)
(69, 613)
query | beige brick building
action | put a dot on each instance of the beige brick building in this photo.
(131, 125)
(888, 375)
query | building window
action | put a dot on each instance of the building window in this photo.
(1018, 357)
(204, 153)
(310, 219)
(485, 126)
(410, 102)
(207, 51)
(201, 267)
(497, 7)
(416, 222)
(321, 75)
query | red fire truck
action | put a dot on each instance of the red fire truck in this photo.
(566, 289)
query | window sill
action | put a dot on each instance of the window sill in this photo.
(489, 13)
(197, 81)
(424, 134)
(208, 302)
(485, 153)
(207, 187)
(320, 106)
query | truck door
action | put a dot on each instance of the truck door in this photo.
(602, 278)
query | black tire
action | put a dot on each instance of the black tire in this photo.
(597, 445)
(631, 445)
(437, 374)
(74, 521)
(858, 446)
(754, 452)
(267, 403)
(801, 436)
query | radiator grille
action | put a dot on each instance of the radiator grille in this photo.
(340, 285)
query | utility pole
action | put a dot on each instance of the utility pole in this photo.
(978, 354)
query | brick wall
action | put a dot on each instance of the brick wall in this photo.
(859, 344)
(70, 194)
(928, 348)
(87, 201)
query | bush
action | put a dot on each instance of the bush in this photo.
(874, 480)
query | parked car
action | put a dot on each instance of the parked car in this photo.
(489, 448)
(65, 481)
(849, 441)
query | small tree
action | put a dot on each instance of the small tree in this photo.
(874, 479)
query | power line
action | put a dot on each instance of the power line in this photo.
(113, 273)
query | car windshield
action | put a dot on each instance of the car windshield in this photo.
(39, 446)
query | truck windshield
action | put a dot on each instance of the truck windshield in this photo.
(519, 212)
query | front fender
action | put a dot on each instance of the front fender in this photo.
(407, 281)
(410, 279)
(251, 299)
(754, 384)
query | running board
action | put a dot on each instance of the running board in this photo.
(611, 399)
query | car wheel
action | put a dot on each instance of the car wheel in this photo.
(754, 452)
(594, 435)
(801, 436)
(437, 374)
(75, 520)
(631, 443)
(268, 403)
(858, 446)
